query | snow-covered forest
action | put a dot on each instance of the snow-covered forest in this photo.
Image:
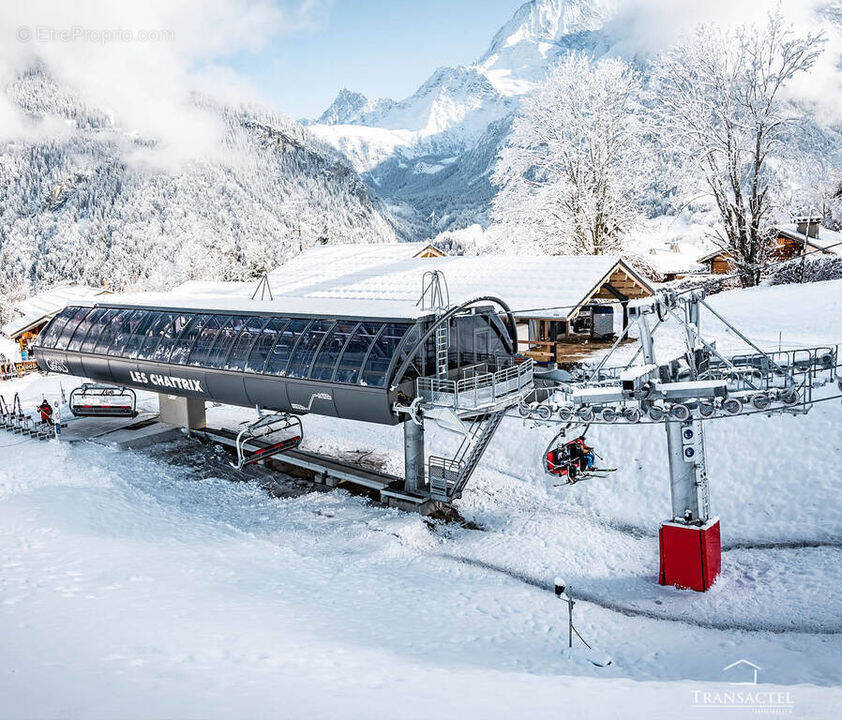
(566, 135)
(589, 143)
(87, 199)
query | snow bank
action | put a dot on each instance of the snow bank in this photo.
(148, 584)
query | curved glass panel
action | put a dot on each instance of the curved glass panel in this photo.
(225, 339)
(82, 328)
(203, 346)
(417, 366)
(182, 345)
(67, 331)
(242, 346)
(299, 364)
(171, 331)
(264, 344)
(141, 323)
(153, 335)
(106, 337)
(353, 356)
(51, 333)
(331, 349)
(279, 357)
(382, 353)
(123, 332)
(97, 326)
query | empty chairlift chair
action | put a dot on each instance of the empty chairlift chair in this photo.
(267, 437)
(97, 400)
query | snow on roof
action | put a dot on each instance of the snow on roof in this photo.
(241, 301)
(341, 281)
(36, 309)
(556, 283)
(334, 261)
(828, 241)
(824, 241)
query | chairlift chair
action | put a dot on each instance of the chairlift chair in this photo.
(270, 435)
(571, 461)
(96, 400)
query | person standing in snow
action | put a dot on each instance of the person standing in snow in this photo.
(46, 411)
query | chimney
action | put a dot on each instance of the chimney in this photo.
(808, 225)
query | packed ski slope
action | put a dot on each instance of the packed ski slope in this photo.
(148, 584)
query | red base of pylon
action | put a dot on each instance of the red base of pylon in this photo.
(690, 554)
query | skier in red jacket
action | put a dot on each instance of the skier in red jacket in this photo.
(46, 411)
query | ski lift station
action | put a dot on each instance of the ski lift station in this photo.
(365, 333)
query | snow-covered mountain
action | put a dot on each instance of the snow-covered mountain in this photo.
(353, 107)
(86, 198)
(538, 33)
(422, 154)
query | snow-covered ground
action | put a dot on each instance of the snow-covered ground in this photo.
(148, 584)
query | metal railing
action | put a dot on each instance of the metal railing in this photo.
(777, 369)
(482, 390)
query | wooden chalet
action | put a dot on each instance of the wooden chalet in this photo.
(791, 241)
(568, 334)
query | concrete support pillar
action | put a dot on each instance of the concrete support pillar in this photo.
(413, 449)
(185, 412)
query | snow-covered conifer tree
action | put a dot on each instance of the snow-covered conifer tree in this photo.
(575, 167)
(718, 99)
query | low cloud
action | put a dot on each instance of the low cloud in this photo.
(140, 61)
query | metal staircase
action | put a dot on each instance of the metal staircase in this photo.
(449, 476)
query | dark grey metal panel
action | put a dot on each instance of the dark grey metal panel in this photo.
(96, 366)
(51, 360)
(179, 380)
(365, 404)
(268, 392)
(74, 364)
(226, 387)
(121, 371)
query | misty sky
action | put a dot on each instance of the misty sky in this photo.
(382, 48)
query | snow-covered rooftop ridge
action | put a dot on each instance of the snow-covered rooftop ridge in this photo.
(556, 283)
(237, 298)
(34, 309)
(335, 281)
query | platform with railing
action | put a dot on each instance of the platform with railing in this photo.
(479, 388)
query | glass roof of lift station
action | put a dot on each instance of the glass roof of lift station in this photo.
(357, 351)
